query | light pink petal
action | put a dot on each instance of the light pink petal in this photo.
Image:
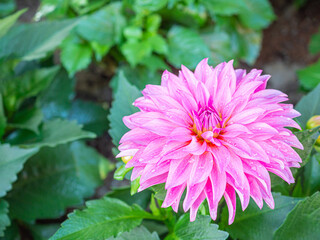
(139, 136)
(247, 116)
(152, 181)
(255, 191)
(221, 157)
(159, 126)
(195, 147)
(193, 192)
(179, 172)
(230, 197)
(201, 168)
(173, 196)
(195, 206)
(181, 134)
(243, 191)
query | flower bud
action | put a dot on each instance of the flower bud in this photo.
(126, 159)
(312, 123)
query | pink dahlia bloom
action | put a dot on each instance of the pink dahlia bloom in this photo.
(214, 132)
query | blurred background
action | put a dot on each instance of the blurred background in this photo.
(79, 49)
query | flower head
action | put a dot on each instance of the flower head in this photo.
(214, 132)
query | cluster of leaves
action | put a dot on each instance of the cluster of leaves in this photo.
(309, 76)
(149, 35)
(45, 165)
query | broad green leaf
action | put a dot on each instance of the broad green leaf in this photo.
(140, 76)
(29, 84)
(52, 133)
(307, 138)
(54, 179)
(104, 26)
(230, 40)
(102, 219)
(200, 229)
(7, 7)
(91, 115)
(309, 106)
(309, 77)
(55, 101)
(75, 55)
(314, 45)
(100, 50)
(123, 193)
(223, 7)
(158, 44)
(303, 222)
(149, 5)
(139, 233)
(121, 172)
(154, 63)
(311, 175)
(160, 191)
(4, 219)
(122, 106)
(184, 43)
(11, 162)
(255, 223)
(38, 39)
(7, 23)
(257, 14)
(135, 52)
(29, 119)
(3, 119)
(42, 231)
(12, 232)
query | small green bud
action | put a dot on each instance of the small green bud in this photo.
(312, 123)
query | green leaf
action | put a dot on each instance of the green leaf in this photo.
(223, 7)
(160, 191)
(255, 223)
(75, 55)
(38, 39)
(311, 175)
(120, 173)
(154, 63)
(7, 23)
(29, 84)
(309, 106)
(7, 7)
(12, 232)
(184, 43)
(309, 77)
(308, 139)
(104, 26)
(3, 119)
(230, 40)
(11, 162)
(52, 133)
(257, 14)
(149, 5)
(135, 52)
(42, 231)
(55, 101)
(123, 193)
(200, 229)
(54, 179)
(4, 219)
(139, 233)
(28, 119)
(314, 45)
(303, 222)
(101, 219)
(140, 76)
(158, 44)
(91, 115)
(122, 106)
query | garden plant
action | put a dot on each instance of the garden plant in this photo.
(151, 119)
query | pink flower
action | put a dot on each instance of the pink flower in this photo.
(215, 132)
